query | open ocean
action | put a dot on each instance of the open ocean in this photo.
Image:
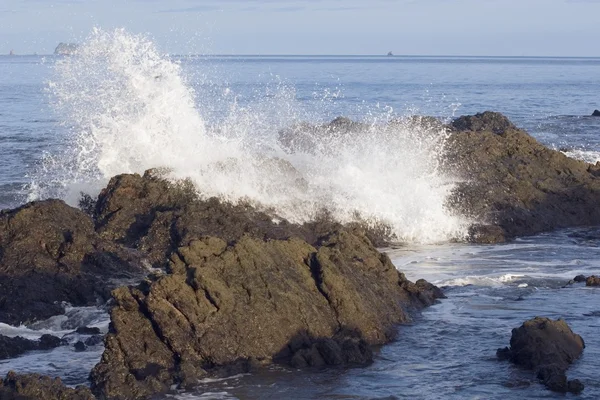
(68, 124)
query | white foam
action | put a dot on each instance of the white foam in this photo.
(129, 108)
(588, 156)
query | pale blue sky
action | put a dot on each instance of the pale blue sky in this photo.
(426, 27)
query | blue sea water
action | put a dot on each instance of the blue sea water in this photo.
(449, 351)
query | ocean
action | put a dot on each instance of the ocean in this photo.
(67, 124)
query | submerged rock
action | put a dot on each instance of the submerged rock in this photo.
(547, 347)
(37, 387)
(513, 185)
(50, 254)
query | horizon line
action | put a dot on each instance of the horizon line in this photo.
(337, 55)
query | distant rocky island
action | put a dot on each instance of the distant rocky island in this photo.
(65, 49)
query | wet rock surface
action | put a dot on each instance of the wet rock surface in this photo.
(513, 185)
(37, 387)
(596, 113)
(252, 302)
(11, 347)
(592, 281)
(50, 254)
(548, 348)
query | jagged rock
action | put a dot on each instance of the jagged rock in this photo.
(513, 185)
(596, 113)
(547, 347)
(15, 346)
(37, 387)
(592, 281)
(254, 301)
(49, 254)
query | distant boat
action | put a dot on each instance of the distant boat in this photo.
(390, 54)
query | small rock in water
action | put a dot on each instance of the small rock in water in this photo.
(85, 330)
(592, 281)
(80, 346)
(48, 342)
(547, 347)
(580, 278)
(596, 113)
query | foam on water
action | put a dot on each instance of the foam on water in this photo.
(128, 108)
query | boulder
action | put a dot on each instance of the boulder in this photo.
(227, 306)
(50, 254)
(36, 387)
(596, 113)
(512, 185)
(580, 278)
(592, 281)
(547, 347)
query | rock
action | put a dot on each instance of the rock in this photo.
(84, 330)
(65, 49)
(580, 278)
(15, 346)
(94, 340)
(50, 254)
(547, 347)
(596, 113)
(484, 122)
(254, 300)
(36, 387)
(79, 346)
(512, 185)
(592, 281)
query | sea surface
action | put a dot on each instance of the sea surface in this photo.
(67, 124)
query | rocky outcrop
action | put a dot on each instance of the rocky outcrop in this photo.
(547, 347)
(36, 387)
(592, 281)
(229, 306)
(65, 49)
(11, 347)
(50, 254)
(596, 113)
(513, 185)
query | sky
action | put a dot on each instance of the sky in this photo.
(373, 27)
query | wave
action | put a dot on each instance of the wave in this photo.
(129, 108)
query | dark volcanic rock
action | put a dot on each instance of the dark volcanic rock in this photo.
(85, 330)
(592, 281)
(580, 278)
(79, 346)
(94, 340)
(596, 113)
(250, 302)
(547, 347)
(513, 185)
(37, 387)
(13, 347)
(49, 253)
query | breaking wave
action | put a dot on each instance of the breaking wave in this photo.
(128, 108)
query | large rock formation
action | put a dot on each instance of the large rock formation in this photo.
(513, 184)
(547, 347)
(49, 254)
(240, 290)
(37, 387)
